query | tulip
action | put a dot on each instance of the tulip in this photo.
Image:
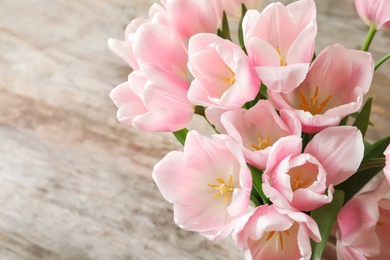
(280, 43)
(334, 88)
(224, 77)
(375, 13)
(256, 129)
(305, 181)
(153, 100)
(269, 232)
(209, 184)
(363, 225)
(124, 49)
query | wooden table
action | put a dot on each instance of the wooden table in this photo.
(76, 184)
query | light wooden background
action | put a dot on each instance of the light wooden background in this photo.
(74, 183)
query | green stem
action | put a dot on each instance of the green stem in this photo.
(369, 38)
(199, 110)
(379, 63)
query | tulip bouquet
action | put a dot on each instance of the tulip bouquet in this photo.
(288, 159)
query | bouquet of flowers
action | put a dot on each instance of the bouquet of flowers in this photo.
(288, 158)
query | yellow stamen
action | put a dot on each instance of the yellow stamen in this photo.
(282, 56)
(262, 143)
(223, 189)
(297, 183)
(232, 79)
(270, 235)
(280, 236)
(281, 240)
(313, 106)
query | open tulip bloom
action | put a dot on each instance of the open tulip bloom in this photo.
(289, 157)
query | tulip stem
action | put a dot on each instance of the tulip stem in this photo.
(199, 110)
(369, 38)
(379, 63)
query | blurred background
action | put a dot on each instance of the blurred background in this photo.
(75, 183)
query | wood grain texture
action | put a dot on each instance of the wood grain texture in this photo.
(76, 184)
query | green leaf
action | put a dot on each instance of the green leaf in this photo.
(240, 31)
(325, 217)
(376, 149)
(357, 181)
(306, 138)
(355, 115)
(257, 183)
(368, 169)
(181, 135)
(363, 118)
(344, 121)
(259, 96)
(224, 32)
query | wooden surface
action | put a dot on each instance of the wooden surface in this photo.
(76, 184)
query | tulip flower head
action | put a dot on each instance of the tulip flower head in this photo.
(375, 13)
(293, 179)
(212, 184)
(280, 42)
(363, 225)
(334, 88)
(224, 76)
(257, 129)
(269, 232)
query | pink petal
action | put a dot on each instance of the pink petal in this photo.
(302, 49)
(304, 12)
(170, 55)
(285, 146)
(283, 78)
(386, 169)
(339, 149)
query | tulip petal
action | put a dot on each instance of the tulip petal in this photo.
(340, 151)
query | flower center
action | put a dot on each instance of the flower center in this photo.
(282, 56)
(280, 236)
(263, 143)
(224, 188)
(297, 183)
(313, 106)
(232, 79)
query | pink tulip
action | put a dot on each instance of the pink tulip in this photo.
(280, 42)
(272, 233)
(375, 13)
(334, 88)
(124, 49)
(189, 17)
(233, 7)
(224, 77)
(386, 169)
(153, 100)
(257, 129)
(363, 225)
(209, 184)
(300, 180)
